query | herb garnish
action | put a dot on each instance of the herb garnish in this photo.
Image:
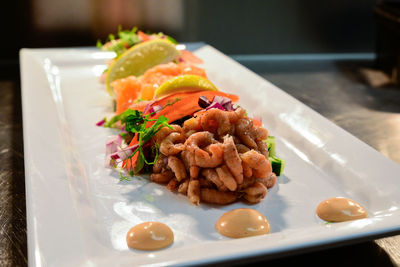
(126, 39)
(134, 122)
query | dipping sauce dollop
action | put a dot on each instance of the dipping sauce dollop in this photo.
(149, 236)
(243, 222)
(340, 209)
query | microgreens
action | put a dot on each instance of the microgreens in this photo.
(135, 122)
(125, 39)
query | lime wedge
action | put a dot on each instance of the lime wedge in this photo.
(184, 83)
(139, 58)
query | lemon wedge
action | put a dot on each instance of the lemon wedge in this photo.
(183, 83)
(139, 58)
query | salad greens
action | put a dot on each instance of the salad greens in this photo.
(126, 39)
(135, 122)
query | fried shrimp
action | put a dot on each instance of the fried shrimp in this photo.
(269, 181)
(183, 187)
(262, 148)
(198, 140)
(159, 164)
(255, 193)
(236, 115)
(226, 177)
(190, 164)
(204, 183)
(165, 131)
(215, 121)
(211, 156)
(258, 163)
(212, 176)
(177, 167)
(248, 181)
(259, 133)
(193, 191)
(172, 144)
(242, 148)
(232, 159)
(163, 177)
(236, 140)
(191, 126)
(172, 184)
(216, 157)
(217, 197)
(243, 131)
(247, 171)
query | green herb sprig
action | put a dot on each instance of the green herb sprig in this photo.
(125, 40)
(135, 122)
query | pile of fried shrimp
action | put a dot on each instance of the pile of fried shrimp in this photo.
(216, 157)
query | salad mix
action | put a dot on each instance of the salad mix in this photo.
(177, 126)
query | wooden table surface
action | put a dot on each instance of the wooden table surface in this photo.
(333, 88)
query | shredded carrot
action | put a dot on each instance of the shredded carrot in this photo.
(131, 163)
(257, 122)
(188, 103)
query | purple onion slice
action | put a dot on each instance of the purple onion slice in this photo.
(203, 101)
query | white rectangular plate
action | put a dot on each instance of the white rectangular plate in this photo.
(78, 212)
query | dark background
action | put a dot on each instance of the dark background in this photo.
(232, 26)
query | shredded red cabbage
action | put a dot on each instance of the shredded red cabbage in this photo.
(112, 144)
(222, 103)
(203, 101)
(101, 123)
(215, 105)
(123, 153)
(146, 108)
(155, 109)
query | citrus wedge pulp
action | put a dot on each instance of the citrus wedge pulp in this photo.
(183, 83)
(139, 58)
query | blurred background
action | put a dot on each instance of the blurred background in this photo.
(232, 26)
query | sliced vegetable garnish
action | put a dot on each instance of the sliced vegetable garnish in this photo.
(101, 123)
(203, 101)
(184, 108)
(277, 164)
(222, 103)
(139, 58)
(144, 127)
(271, 145)
(184, 83)
(126, 39)
(155, 82)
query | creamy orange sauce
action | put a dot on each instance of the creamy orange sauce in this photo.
(340, 209)
(244, 222)
(149, 236)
